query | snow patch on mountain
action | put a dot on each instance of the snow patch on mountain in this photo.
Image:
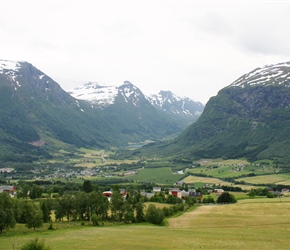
(102, 95)
(170, 102)
(9, 68)
(130, 93)
(274, 74)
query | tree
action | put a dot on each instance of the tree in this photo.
(24, 191)
(35, 245)
(36, 192)
(252, 193)
(45, 212)
(7, 219)
(81, 206)
(33, 216)
(139, 212)
(98, 204)
(128, 212)
(87, 186)
(117, 202)
(154, 215)
(65, 207)
(226, 198)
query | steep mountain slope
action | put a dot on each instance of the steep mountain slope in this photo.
(38, 117)
(127, 109)
(34, 110)
(172, 104)
(170, 107)
(249, 118)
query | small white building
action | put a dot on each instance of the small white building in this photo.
(156, 189)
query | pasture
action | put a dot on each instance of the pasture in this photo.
(249, 224)
(87, 158)
(229, 168)
(200, 181)
(162, 175)
(283, 179)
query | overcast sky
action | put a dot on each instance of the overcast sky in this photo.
(193, 48)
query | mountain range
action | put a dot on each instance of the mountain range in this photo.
(249, 118)
(37, 117)
(101, 96)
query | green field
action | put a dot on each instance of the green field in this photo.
(249, 224)
(283, 179)
(229, 168)
(87, 158)
(163, 175)
(201, 181)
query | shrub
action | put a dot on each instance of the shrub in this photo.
(35, 245)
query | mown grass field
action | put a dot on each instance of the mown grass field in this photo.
(249, 224)
(268, 179)
(200, 181)
(206, 180)
(163, 175)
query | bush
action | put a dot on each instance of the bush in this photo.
(35, 245)
(95, 220)
(208, 199)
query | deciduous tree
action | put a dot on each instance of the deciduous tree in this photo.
(154, 215)
(33, 216)
(7, 219)
(226, 198)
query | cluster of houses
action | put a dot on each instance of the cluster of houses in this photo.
(173, 191)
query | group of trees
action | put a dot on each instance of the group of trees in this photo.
(14, 211)
(90, 205)
(82, 206)
(262, 192)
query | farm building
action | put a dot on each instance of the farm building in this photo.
(175, 192)
(11, 190)
(109, 194)
(218, 191)
(156, 189)
(191, 193)
(147, 195)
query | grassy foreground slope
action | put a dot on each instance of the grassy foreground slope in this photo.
(248, 224)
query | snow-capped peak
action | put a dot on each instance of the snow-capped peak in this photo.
(101, 95)
(95, 93)
(274, 74)
(6, 65)
(169, 102)
(9, 67)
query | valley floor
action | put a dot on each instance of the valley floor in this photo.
(248, 224)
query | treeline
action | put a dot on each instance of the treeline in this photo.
(81, 206)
